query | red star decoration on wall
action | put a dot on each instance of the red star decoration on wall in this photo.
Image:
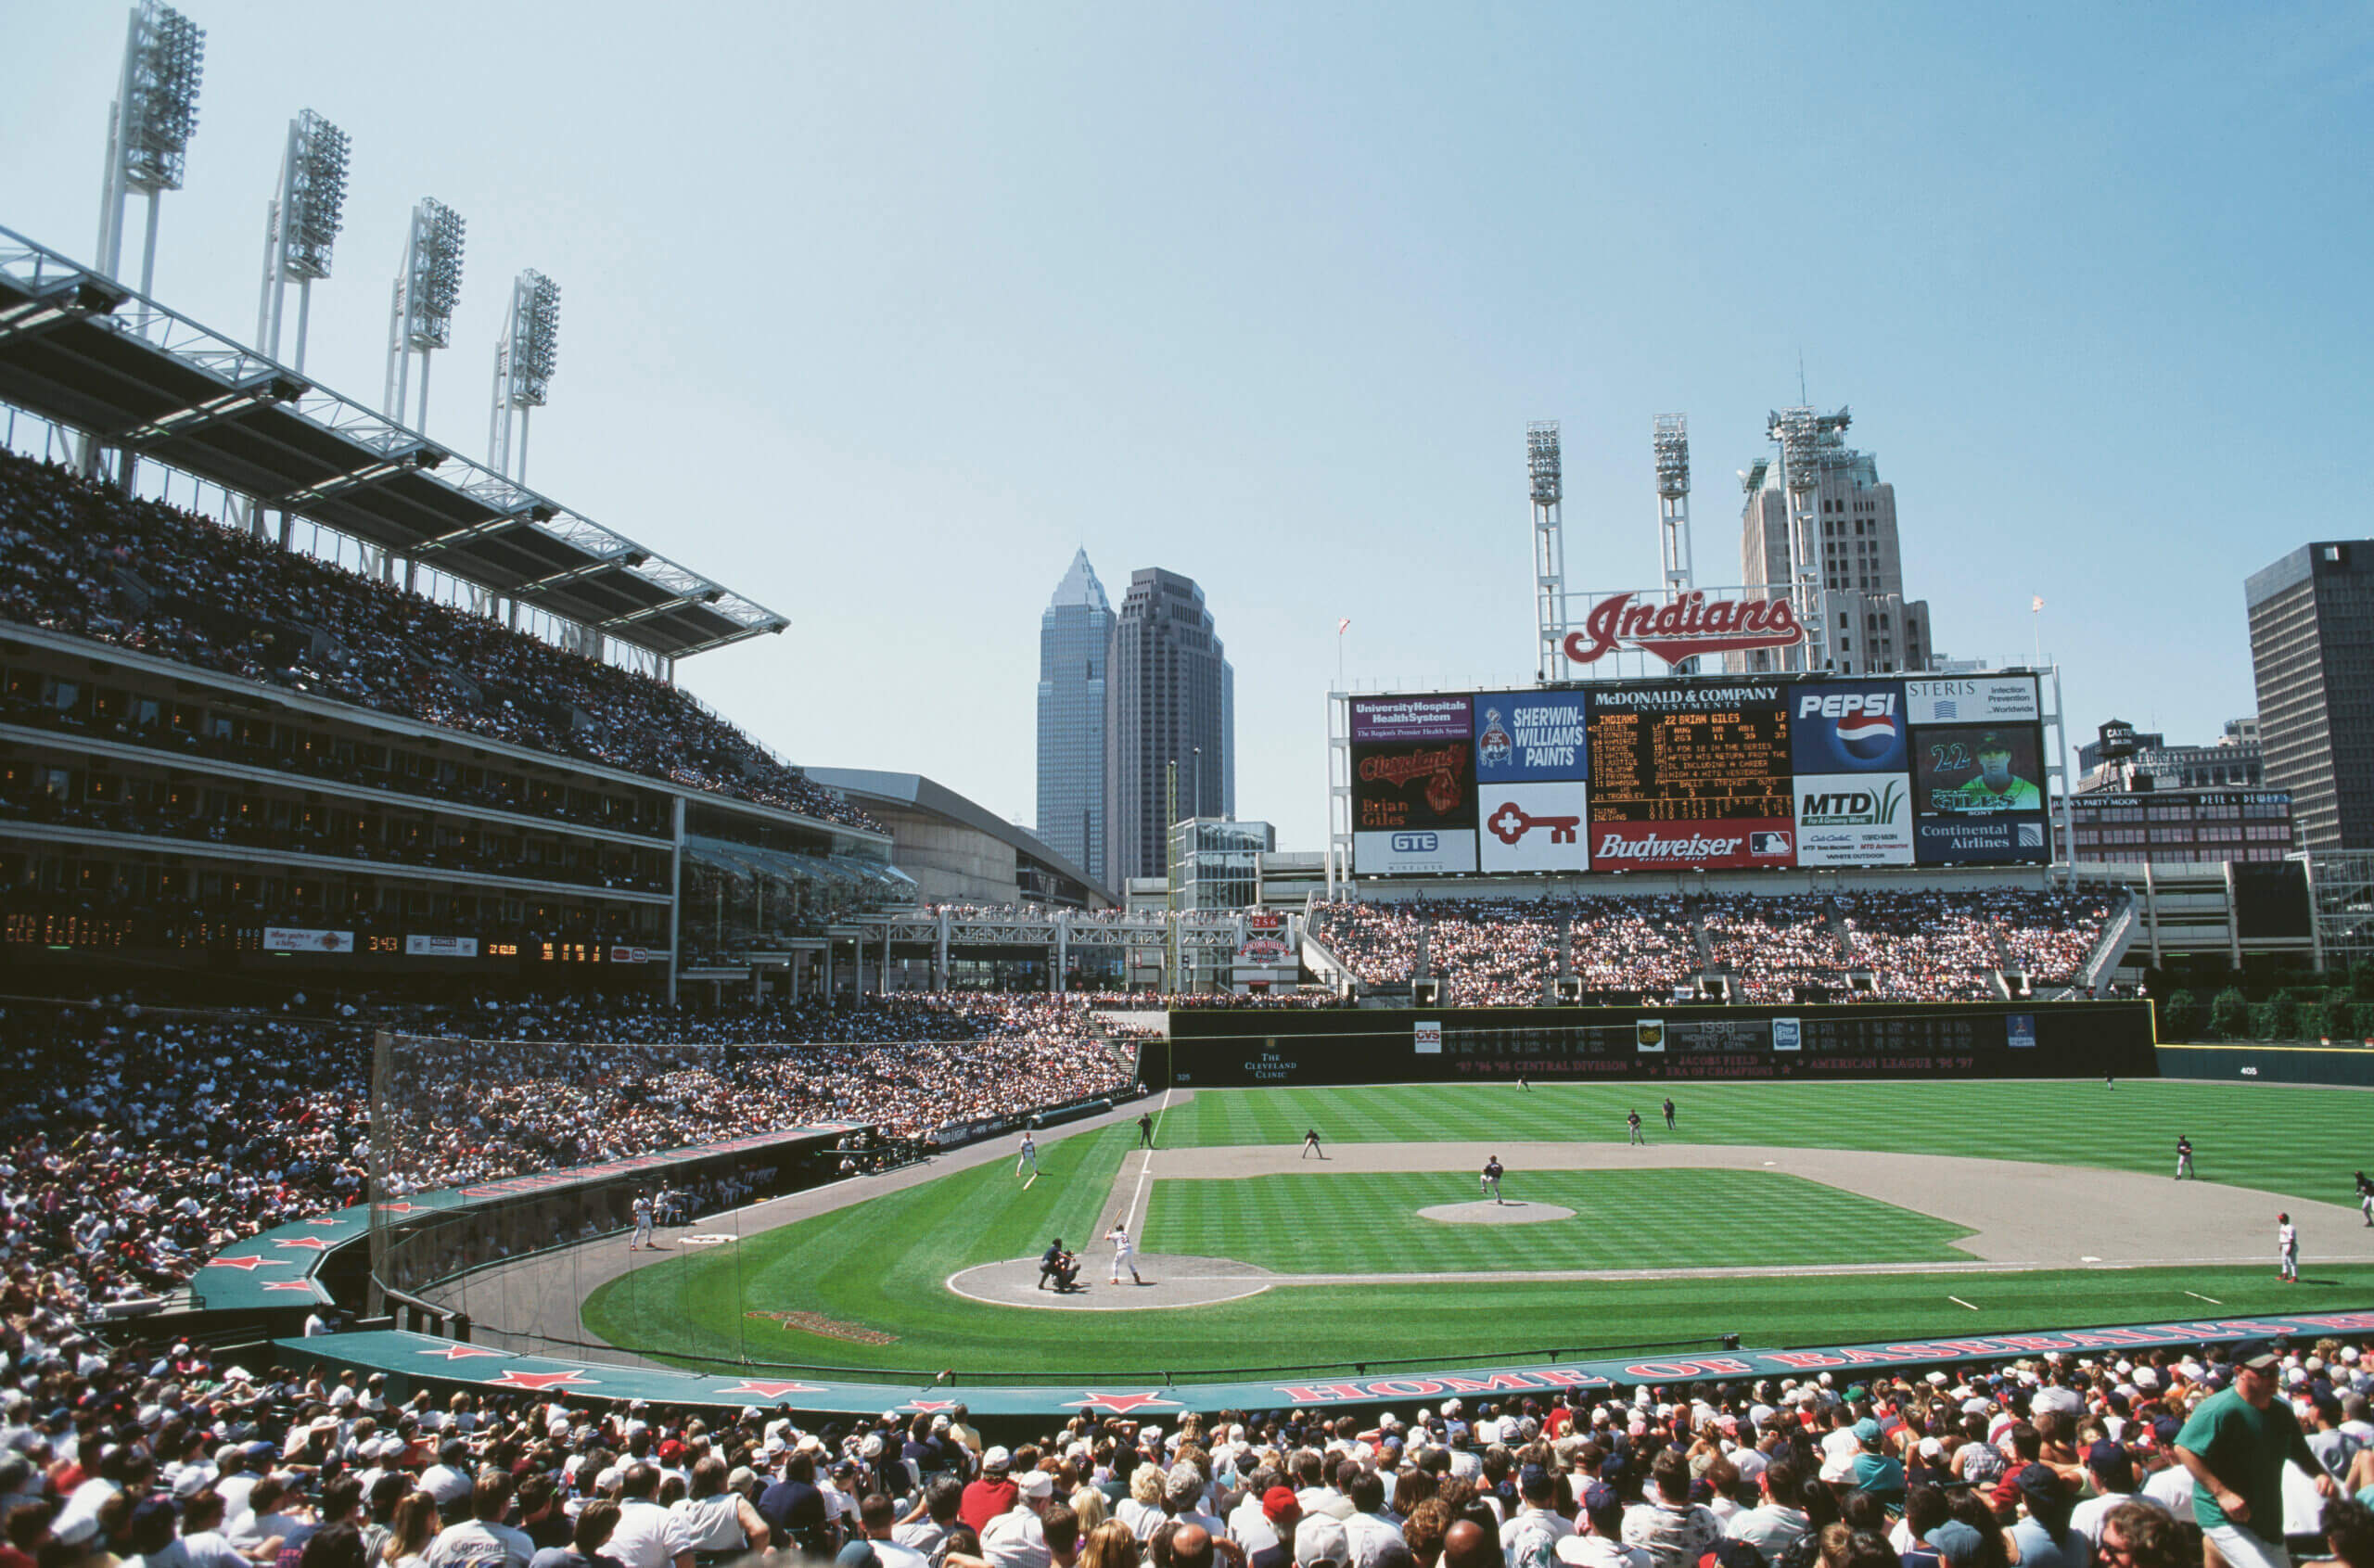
(305, 1285)
(460, 1352)
(311, 1244)
(928, 1405)
(248, 1263)
(396, 1209)
(536, 1382)
(1121, 1404)
(773, 1390)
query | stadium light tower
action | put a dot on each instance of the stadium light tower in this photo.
(1803, 436)
(1670, 438)
(301, 226)
(427, 287)
(1672, 443)
(1544, 469)
(149, 126)
(524, 358)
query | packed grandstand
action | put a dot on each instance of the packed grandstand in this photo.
(1894, 946)
(79, 557)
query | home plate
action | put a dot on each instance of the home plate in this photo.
(1509, 1212)
(2089, 1259)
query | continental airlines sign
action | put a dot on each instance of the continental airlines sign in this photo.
(1685, 627)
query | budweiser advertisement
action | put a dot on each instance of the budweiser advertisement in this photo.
(1684, 627)
(1714, 772)
(1738, 844)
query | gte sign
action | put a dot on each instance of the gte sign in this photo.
(1685, 627)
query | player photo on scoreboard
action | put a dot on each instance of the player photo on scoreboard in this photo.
(1977, 769)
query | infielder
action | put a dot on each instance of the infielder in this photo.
(1125, 1254)
(1632, 1120)
(2287, 1248)
(2184, 1157)
(1310, 1144)
(2366, 1197)
(1026, 1155)
(1492, 1177)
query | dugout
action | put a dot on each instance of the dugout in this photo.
(2007, 1040)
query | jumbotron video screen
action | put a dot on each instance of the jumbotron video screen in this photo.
(1709, 774)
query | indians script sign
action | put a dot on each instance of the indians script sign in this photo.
(1685, 628)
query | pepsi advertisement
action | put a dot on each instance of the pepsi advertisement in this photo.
(1849, 751)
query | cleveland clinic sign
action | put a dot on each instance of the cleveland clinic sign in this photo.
(1685, 627)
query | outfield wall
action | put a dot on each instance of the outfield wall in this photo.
(2350, 1066)
(2035, 1039)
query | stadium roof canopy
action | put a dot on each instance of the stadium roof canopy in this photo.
(876, 787)
(81, 350)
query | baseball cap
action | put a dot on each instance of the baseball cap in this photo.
(1533, 1481)
(1958, 1545)
(998, 1459)
(1280, 1505)
(1036, 1484)
(1867, 1432)
(2258, 1355)
(2111, 1462)
(1322, 1539)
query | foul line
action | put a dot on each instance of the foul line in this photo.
(2210, 1299)
(1129, 1215)
(1960, 1301)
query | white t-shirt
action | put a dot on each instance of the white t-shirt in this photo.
(647, 1535)
(1016, 1539)
(1249, 1527)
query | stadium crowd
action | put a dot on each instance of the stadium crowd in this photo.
(77, 556)
(1928, 946)
(167, 1457)
(137, 1143)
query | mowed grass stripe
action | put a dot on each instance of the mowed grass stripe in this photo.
(1347, 1223)
(2304, 1141)
(883, 1263)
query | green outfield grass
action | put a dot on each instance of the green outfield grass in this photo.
(2299, 1142)
(882, 1265)
(1309, 1223)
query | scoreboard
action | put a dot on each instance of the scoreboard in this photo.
(1726, 772)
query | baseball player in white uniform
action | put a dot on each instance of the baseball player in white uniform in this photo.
(1125, 1254)
(1027, 1154)
(641, 1237)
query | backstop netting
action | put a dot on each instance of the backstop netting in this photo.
(515, 1181)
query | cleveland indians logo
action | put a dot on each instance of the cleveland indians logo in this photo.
(1512, 822)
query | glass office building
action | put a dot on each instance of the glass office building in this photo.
(1074, 639)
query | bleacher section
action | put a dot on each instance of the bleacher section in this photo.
(1923, 946)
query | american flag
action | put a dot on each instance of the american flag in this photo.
(1342, 625)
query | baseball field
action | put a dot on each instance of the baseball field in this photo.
(1786, 1213)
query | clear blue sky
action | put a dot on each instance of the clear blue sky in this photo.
(877, 312)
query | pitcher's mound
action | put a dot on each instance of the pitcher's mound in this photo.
(1171, 1280)
(1488, 1212)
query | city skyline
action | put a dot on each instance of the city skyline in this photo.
(1281, 318)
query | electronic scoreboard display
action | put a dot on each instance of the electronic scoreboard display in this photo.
(1677, 757)
(1723, 772)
